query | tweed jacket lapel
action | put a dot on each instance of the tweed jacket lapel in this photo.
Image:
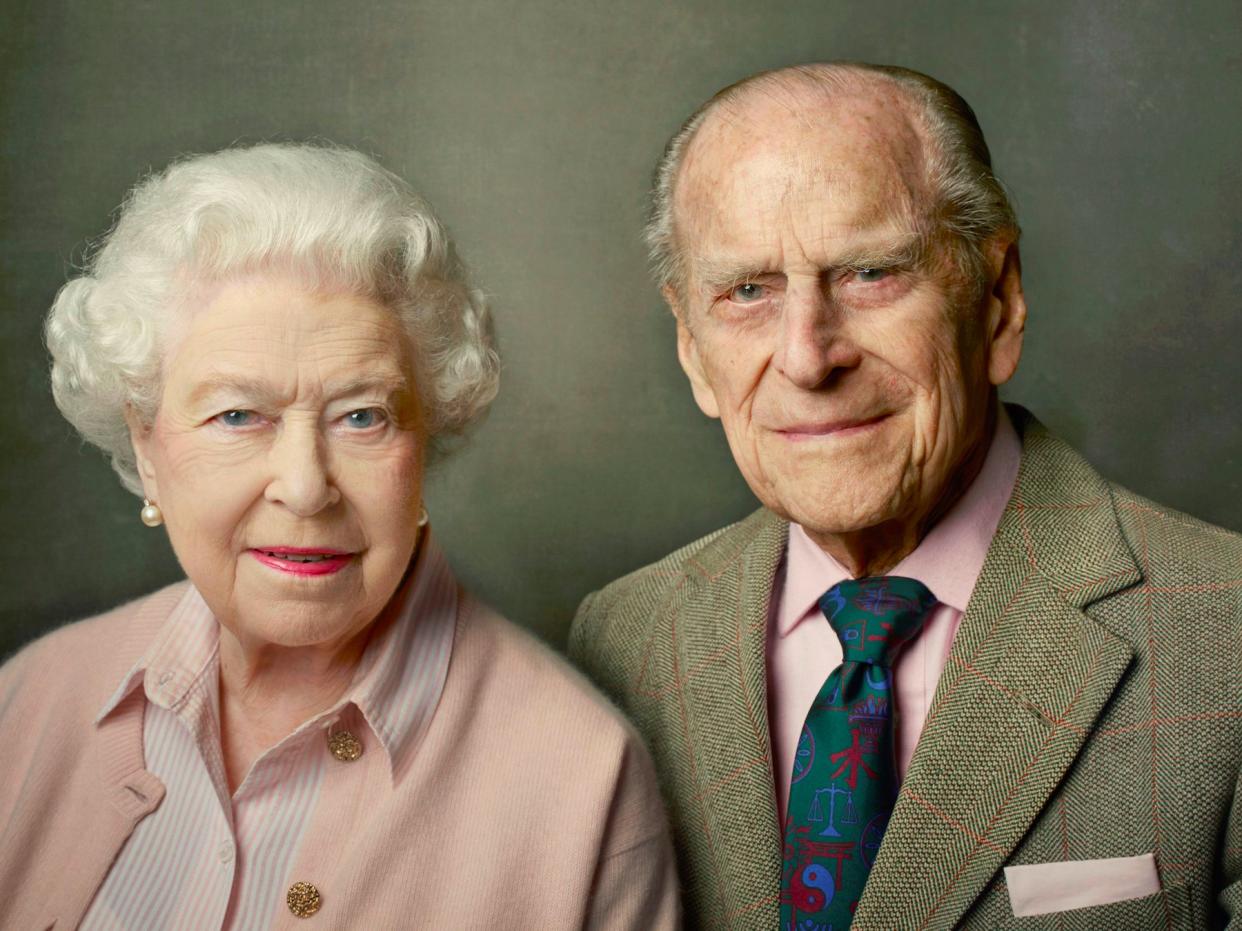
(719, 618)
(1028, 674)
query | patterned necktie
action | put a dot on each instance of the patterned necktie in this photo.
(844, 779)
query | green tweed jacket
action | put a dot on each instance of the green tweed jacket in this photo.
(1091, 707)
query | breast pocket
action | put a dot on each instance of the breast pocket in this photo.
(1167, 909)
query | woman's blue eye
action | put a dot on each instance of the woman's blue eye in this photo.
(871, 274)
(747, 293)
(237, 418)
(361, 419)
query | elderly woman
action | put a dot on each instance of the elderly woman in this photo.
(318, 725)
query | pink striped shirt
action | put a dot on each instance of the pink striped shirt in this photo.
(803, 649)
(206, 858)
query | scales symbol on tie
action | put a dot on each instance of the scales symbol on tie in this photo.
(816, 814)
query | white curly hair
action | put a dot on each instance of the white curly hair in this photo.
(331, 214)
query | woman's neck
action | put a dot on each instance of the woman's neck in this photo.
(268, 691)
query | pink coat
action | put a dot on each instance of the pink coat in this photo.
(530, 803)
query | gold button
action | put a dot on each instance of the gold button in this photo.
(303, 899)
(344, 746)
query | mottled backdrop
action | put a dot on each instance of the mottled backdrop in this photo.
(533, 127)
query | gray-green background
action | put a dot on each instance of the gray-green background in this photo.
(532, 127)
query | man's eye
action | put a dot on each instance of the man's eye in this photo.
(868, 275)
(237, 418)
(364, 418)
(747, 293)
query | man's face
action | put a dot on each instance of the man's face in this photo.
(822, 319)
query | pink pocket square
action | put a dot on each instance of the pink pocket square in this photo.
(1040, 888)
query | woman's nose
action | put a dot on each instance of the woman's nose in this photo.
(301, 477)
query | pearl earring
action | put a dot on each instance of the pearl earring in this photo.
(423, 518)
(151, 514)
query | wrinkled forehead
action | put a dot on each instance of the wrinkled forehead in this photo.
(853, 160)
(276, 316)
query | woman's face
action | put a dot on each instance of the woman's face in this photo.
(287, 457)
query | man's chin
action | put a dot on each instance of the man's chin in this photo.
(842, 521)
(833, 501)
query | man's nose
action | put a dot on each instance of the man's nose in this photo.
(301, 478)
(814, 342)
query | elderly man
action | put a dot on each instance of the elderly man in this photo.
(943, 630)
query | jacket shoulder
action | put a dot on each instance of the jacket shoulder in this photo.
(612, 625)
(1191, 587)
(549, 720)
(1173, 548)
(52, 691)
(83, 655)
(645, 586)
(554, 690)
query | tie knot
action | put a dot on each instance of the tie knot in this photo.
(875, 617)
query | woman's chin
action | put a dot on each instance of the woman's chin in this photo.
(290, 609)
(294, 625)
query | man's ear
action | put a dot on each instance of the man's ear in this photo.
(140, 438)
(1005, 307)
(688, 356)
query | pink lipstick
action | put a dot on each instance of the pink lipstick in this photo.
(301, 560)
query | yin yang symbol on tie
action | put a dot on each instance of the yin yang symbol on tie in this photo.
(844, 779)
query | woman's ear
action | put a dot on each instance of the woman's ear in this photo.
(140, 439)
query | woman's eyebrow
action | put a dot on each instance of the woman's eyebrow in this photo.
(234, 385)
(383, 383)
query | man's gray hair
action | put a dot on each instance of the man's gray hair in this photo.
(971, 204)
(330, 215)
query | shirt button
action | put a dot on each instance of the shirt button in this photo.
(225, 851)
(165, 678)
(344, 746)
(302, 899)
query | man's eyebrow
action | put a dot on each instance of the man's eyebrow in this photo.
(716, 276)
(911, 250)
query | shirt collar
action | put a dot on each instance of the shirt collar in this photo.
(399, 679)
(948, 560)
(402, 673)
(181, 652)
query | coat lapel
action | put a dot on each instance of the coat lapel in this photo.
(719, 619)
(1028, 674)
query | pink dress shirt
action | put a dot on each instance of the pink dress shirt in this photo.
(803, 649)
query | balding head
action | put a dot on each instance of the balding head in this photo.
(911, 118)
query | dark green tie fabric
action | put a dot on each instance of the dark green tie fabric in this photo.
(844, 779)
